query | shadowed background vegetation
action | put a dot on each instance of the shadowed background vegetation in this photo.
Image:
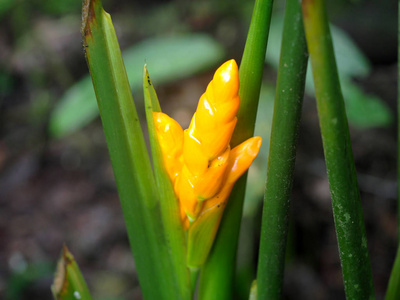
(56, 182)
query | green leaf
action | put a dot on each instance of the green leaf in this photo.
(69, 283)
(128, 153)
(171, 58)
(365, 111)
(173, 227)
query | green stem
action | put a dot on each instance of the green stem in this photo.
(347, 210)
(217, 275)
(194, 274)
(393, 290)
(282, 153)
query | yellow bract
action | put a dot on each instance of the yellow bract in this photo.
(170, 136)
(199, 160)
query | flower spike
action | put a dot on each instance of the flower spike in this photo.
(200, 162)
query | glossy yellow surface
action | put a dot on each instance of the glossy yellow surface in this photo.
(170, 136)
(199, 160)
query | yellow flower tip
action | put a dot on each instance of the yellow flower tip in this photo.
(241, 158)
(213, 123)
(225, 83)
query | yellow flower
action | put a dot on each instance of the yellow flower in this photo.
(199, 160)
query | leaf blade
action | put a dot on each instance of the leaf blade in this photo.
(128, 153)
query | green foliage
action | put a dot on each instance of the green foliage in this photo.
(60, 7)
(170, 58)
(282, 153)
(20, 279)
(129, 157)
(168, 202)
(5, 6)
(217, 276)
(393, 289)
(363, 111)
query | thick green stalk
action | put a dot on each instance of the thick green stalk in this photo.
(282, 154)
(347, 210)
(69, 283)
(217, 275)
(169, 203)
(393, 290)
(128, 153)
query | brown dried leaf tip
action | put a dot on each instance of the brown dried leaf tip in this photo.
(88, 16)
(60, 283)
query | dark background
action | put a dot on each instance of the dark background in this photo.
(61, 190)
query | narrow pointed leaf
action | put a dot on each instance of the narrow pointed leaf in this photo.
(168, 201)
(69, 283)
(128, 153)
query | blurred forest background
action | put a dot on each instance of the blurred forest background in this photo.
(56, 181)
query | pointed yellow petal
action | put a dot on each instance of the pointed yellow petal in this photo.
(241, 158)
(209, 183)
(170, 137)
